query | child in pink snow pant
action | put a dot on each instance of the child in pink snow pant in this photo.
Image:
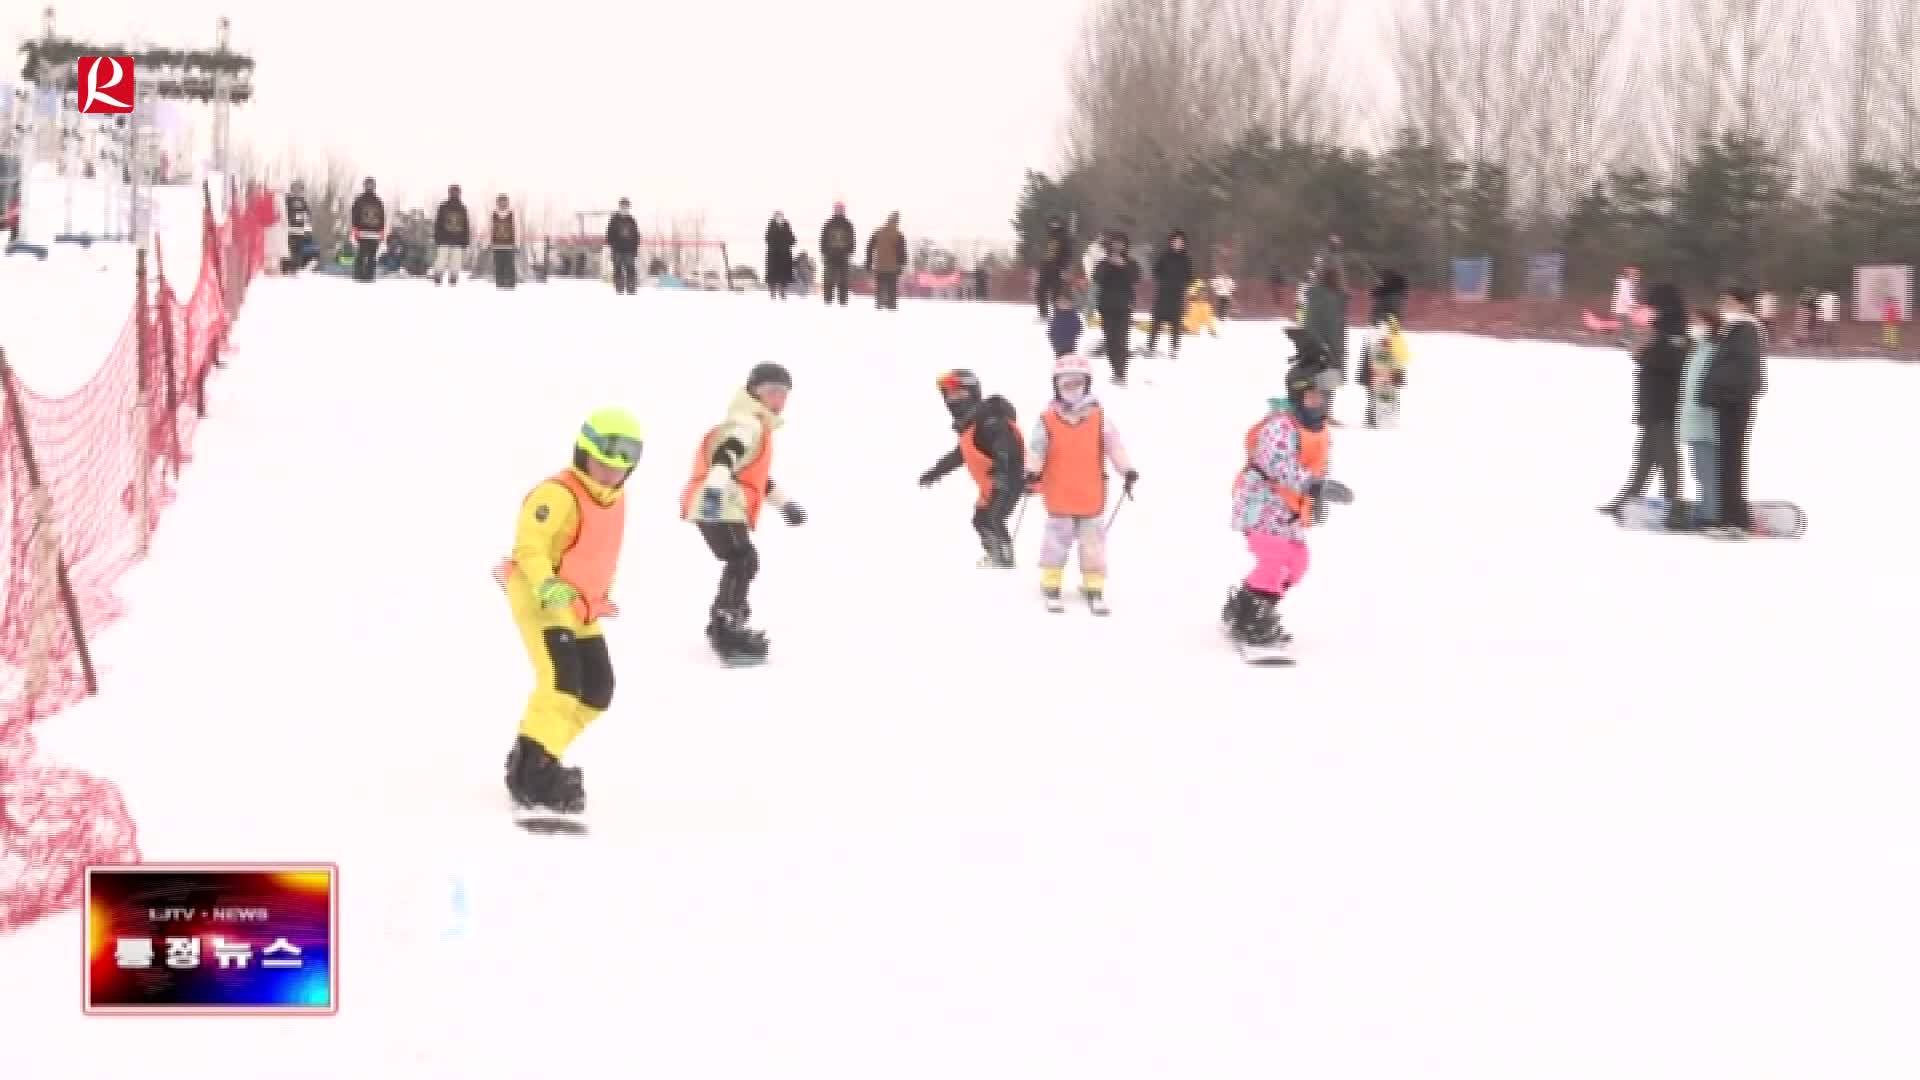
(1059, 539)
(1278, 563)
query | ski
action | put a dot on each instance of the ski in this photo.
(1263, 657)
(547, 823)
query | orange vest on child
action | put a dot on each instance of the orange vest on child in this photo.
(1313, 459)
(1073, 479)
(754, 478)
(981, 466)
(592, 553)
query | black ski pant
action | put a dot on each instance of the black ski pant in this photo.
(1657, 451)
(1046, 286)
(503, 268)
(1115, 326)
(886, 290)
(1736, 435)
(300, 251)
(366, 256)
(833, 283)
(626, 276)
(990, 522)
(732, 544)
(1166, 313)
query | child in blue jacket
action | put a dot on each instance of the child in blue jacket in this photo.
(1066, 327)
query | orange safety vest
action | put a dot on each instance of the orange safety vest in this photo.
(1073, 479)
(1313, 459)
(592, 553)
(754, 478)
(981, 466)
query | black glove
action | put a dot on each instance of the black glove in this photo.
(794, 513)
(1334, 491)
(930, 478)
(1132, 478)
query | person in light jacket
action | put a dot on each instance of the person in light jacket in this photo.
(1698, 425)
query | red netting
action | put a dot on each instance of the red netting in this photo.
(106, 467)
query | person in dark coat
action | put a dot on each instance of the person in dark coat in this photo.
(1172, 273)
(367, 218)
(837, 243)
(452, 235)
(1050, 265)
(1734, 380)
(623, 247)
(779, 256)
(1659, 368)
(301, 249)
(1115, 278)
(1325, 322)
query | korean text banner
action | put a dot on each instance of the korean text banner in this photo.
(212, 939)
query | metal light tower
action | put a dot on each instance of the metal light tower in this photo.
(222, 96)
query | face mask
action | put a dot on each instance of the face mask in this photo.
(1071, 389)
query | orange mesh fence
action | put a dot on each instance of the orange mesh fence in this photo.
(83, 478)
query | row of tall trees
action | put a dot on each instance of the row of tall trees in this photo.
(1772, 141)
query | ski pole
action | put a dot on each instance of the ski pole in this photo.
(1019, 515)
(1115, 516)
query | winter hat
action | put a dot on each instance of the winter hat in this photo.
(839, 207)
(1739, 294)
(769, 374)
(1392, 283)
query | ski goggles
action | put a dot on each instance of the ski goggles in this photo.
(618, 451)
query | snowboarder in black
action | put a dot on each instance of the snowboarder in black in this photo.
(1658, 370)
(623, 247)
(1115, 279)
(837, 243)
(505, 243)
(300, 246)
(452, 236)
(1735, 379)
(993, 452)
(367, 218)
(1050, 266)
(779, 256)
(1172, 272)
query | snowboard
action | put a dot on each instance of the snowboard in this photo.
(1253, 657)
(546, 823)
(1773, 519)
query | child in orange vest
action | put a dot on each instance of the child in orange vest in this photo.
(558, 579)
(1280, 491)
(731, 480)
(1067, 461)
(993, 452)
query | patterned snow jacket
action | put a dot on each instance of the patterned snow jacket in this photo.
(1270, 495)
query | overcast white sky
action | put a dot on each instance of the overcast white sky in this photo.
(735, 108)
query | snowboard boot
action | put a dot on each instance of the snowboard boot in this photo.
(733, 641)
(999, 554)
(1242, 610)
(537, 782)
(1259, 630)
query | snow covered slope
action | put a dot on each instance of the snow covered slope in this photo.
(1543, 798)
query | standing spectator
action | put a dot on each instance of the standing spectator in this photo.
(300, 246)
(1803, 317)
(1115, 278)
(368, 218)
(803, 273)
(1734, 381)
(1050, 266)
(623, 247)
(505, 242)
(886, 258)
(1066, 327)
(1626, 297)
(1659, 368)
(452, 236)
(780, 243)
(1325, 322)
(1699, 428)
(837, 241)
(982, 282)
(1890, 324)
(1829, 318)
(1172, 270)
(1767, 308)
(1221, 287)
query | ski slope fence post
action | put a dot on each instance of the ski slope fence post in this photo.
(165, 304)
(143, 510)
(48, 564)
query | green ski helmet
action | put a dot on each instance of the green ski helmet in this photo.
(612, 437)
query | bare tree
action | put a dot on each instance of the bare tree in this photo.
(1586, 72)
(1155, 86)
(1747, 67)
(331, 186)
(1288, 44)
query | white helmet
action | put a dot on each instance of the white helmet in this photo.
(1069, 365)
